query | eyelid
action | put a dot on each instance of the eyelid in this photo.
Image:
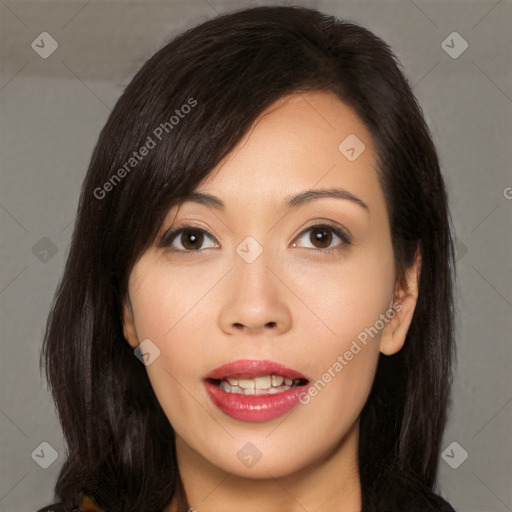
(171, 234)
(338, 230)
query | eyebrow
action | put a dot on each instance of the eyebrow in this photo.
(290, 201)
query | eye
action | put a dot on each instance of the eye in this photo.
(322, 236)
(190, 238)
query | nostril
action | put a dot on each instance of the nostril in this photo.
(241, 326)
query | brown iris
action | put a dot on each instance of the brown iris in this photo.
(192, 239)
(317, 234)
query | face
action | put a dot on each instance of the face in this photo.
(302, 292)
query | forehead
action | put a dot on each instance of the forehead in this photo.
(303, 141)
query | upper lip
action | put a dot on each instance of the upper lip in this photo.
(250, 368)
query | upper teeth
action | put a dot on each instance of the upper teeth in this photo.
(264, 382)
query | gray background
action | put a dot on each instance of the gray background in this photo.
(52, 111)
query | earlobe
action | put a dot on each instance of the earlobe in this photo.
(129, 331)
(404, 304)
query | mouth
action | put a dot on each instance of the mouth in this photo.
(261, 385)
(255, 390)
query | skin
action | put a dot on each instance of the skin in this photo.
(210, 307)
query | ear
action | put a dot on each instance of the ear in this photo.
(404, 303)
(129, 331)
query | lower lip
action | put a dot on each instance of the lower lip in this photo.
(254, 407)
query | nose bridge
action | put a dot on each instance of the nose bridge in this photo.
(255, 299)
(253, 279)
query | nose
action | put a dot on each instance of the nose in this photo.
(255, 300)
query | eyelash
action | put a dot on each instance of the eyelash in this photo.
(168, 238)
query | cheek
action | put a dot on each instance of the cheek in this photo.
(171, 309)
(350, 310)
(346, 297)
(346, 374)
(170, 305)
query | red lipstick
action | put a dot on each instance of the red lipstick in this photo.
(255, 390)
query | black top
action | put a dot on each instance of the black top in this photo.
(56, 507)
(84, 503)
(410, 502)
(392, 491)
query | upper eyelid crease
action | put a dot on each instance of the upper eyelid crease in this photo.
(171, 234)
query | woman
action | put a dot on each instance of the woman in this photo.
(256, 312)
